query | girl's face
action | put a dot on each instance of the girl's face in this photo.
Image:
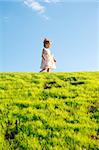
(47, 45)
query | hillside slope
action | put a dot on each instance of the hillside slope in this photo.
(49, 111)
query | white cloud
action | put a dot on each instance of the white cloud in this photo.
(39, 7)
(52, 1)
(46, 17)
(35, 5)
(47, 1)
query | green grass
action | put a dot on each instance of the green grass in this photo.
(49, 111)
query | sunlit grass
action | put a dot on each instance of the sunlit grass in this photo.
(49, 111)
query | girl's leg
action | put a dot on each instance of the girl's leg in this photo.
(49, 70)
(44, 70)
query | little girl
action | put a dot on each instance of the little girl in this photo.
(48, 61)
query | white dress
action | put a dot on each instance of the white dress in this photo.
(48, 61)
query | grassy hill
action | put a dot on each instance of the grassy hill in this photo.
(49, 111)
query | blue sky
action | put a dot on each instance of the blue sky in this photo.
(72, 26)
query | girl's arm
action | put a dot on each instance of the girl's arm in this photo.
(43, 54)
(54, 60)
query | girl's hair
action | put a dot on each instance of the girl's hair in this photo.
(46, 41)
